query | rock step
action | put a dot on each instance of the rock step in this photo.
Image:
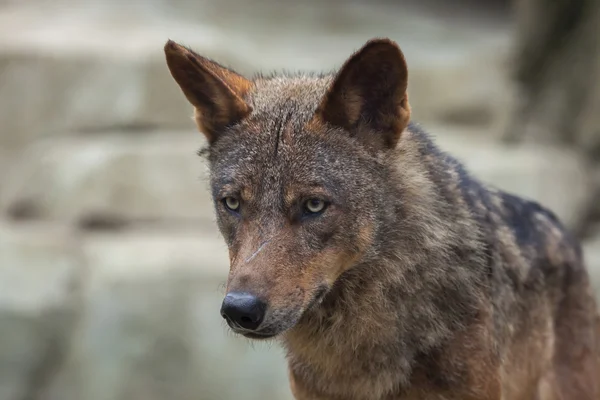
(91, 66)
(591, 252)
(110, 177)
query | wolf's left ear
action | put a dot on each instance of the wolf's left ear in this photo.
(368, 95)
(215, 91)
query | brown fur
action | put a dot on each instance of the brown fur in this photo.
(417, 281)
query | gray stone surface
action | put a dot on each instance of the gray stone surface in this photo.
(111, 175)
(40, 277)
(6, 166)
(79, 92)
(591, 251)
(88, 67)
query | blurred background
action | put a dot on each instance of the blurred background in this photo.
(111, 267)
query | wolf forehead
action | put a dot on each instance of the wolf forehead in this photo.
(278, 134)
(281, 106)
(284, 154)
(285, 96)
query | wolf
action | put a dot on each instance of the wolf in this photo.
(384, 268)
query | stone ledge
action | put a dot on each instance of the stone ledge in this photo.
(39, 267)
(40, 282)
(88, 67)
(591, 253)
(152, 254)
(149, 177)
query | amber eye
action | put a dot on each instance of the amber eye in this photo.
(314, 206)
(232, 203)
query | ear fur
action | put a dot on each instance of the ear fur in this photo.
(215, 92)
(368, 95)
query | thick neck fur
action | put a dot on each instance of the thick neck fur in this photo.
(418, 284)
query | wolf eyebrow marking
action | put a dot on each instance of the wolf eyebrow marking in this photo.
(257, 251)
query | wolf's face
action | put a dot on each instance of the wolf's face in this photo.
(296, 175)
(287, 204)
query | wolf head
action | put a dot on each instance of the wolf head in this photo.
(298, 174)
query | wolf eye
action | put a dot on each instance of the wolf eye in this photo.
(314, 206)
(231, 203)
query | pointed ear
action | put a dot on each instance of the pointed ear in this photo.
(215, 92)
(368, 96)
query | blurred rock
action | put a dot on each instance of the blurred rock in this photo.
(82, 93)
(92, 65)
(111, 176)
(591, 250)
(152, 328)
(6, 164)
(40, 277)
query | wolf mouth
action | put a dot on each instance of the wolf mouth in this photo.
(258, 335)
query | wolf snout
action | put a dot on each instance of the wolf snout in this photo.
(243, 310)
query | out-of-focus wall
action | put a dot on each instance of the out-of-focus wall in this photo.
(111, 267)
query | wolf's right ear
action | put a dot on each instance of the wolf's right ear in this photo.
(368, 96)
(215, 92)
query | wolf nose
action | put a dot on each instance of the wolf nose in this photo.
(244, 310)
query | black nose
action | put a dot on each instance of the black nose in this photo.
(243, 309)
